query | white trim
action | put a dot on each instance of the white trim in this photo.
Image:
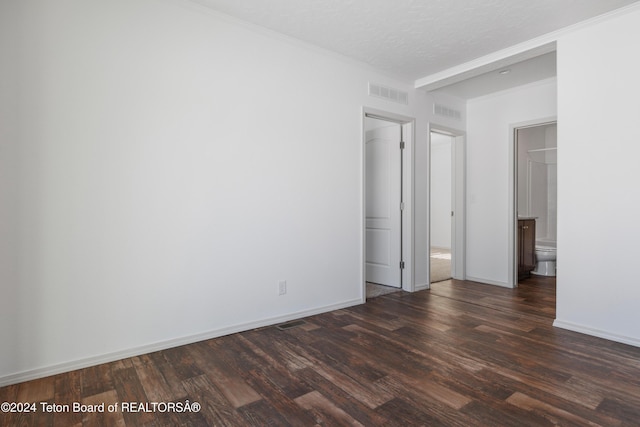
(488, 282)
(46, 371)
(408, 238)
(422, 287)
(525, 86)
(519, 52)
(596, 332)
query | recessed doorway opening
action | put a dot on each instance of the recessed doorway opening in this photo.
(441, 218)
(446, 204)
(534, 200)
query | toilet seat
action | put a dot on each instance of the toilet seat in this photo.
(545, 249)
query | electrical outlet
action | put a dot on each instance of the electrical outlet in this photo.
(282, 287)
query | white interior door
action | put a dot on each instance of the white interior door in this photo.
(383, 197)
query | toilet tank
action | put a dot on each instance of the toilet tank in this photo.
(546, 242)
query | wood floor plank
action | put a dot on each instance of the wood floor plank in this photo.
(128, 388)
(365, 393)
(402, 413)
(554, 414)
(68, 388)
(216, 409)
(36, 391)
(104, 418)
(621, 410)
(279, 351)
(258, 364)
(234, 388)
(356, 409)
(97, 379)
(276, 400)
(153, 381)
(181, 362)
(263, 413)
(170, 375)
(500, 413)
(324, 411)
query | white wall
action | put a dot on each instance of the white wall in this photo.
(9, 195)
(598, 176)
(488, 173)
(170, 167)
(440, 190)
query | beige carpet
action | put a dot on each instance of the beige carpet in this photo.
(375, 290)
(440, 270)
(440, 264)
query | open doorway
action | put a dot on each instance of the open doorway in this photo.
(535, 200)
(446, 204)
(441, 208)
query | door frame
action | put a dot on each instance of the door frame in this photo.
(407, 215)
(458, 200)
(513, 192)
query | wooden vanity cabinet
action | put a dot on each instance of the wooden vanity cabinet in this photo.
(526, 247)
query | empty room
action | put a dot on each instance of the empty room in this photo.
(218, 212)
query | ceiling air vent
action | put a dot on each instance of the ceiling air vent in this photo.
(441, 110)
(389, 93)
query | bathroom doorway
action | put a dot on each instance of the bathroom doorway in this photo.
(535, 200)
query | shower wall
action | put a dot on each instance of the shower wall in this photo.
(537, 178)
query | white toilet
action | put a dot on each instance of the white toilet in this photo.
(545, 258)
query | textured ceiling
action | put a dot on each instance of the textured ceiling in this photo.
(412, 39)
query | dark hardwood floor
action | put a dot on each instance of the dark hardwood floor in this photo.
(460, 354)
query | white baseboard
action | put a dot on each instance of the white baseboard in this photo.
(489, 282)
(33, 374)
(596, 332)
(421, 287)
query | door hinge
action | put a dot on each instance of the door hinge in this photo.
(451, 213)
(402, 206)
(402, 145)
(401, 265)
